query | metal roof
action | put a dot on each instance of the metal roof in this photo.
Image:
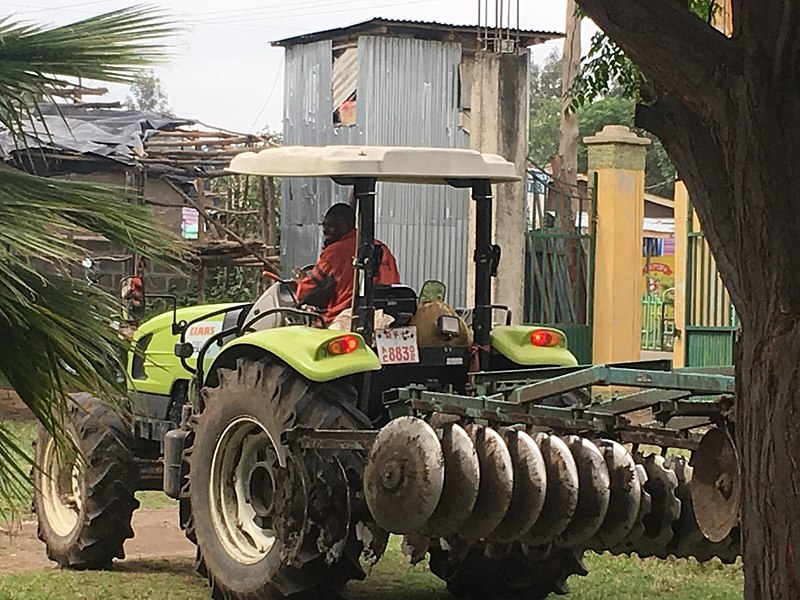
(384, 163)
(419, 29)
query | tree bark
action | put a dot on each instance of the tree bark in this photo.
(733, 145)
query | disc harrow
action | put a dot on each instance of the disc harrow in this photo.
(492, 491)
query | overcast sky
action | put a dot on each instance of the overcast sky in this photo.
(226, 74)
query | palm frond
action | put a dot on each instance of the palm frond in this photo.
(113, 47)
(36, 212)
(58, 331)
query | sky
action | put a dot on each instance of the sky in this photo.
(225, 73)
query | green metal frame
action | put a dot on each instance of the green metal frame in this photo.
(674, 397)
(710, 331)
(556, 295)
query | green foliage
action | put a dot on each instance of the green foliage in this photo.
(543, 130)
(147, 94)
(16, 502)
(227, 284)
(605, 67)
(613, 108)
(58, 330)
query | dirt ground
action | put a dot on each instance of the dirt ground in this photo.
(12, 408)
(157, 535)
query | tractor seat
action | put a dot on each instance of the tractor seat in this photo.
(399, 301)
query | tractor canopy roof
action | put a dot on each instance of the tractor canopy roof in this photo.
(383, 163)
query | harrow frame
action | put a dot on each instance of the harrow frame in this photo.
(681, 400)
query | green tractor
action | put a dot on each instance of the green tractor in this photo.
(294, 450)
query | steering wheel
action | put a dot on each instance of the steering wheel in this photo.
(291, 287)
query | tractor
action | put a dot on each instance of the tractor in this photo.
(295, 450)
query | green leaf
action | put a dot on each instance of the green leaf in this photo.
(57, 330)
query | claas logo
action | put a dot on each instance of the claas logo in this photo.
(202, 330)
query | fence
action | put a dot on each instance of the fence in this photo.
(711, 320)
(560, 261)
(658, 321)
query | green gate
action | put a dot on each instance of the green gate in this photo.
(560, 260)
(711, 321)
(658, 321)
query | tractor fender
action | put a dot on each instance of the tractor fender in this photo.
(303, 348)
(514, 342)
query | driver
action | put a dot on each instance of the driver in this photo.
(329, 285)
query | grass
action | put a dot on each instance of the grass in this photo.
(611, 578)
(18, 504)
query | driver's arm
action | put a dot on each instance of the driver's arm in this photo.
(318, 287)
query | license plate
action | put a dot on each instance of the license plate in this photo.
(397, 346)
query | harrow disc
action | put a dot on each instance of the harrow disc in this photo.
(530, 485)
(496, 483)
(461, 481)
(625, 500)
(661, 484)
(404, 475)
(561, 498)
(688, 540)
(716, 485)
(627, 545)
(594, 492)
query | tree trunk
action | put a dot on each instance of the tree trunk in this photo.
(728, 113)
(768, 440)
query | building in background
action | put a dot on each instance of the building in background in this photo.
(408, 83)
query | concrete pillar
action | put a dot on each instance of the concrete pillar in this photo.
(681, 250)
(617, 155)
(499, 125)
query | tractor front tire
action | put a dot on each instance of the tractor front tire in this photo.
(265, 530)
(84, 505)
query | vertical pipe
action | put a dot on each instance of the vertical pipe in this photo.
(365, 265)
(480, 24)
(482, 321)
(497, 23)
(500, 24)
(592, 248)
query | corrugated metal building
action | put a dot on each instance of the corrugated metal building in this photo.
(384, 82)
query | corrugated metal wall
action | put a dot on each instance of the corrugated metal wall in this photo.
(308, 121)
(408, 94)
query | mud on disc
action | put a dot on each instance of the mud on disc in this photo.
(404, 475)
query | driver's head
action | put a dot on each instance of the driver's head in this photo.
(338, 222)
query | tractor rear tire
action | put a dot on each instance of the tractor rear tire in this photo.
(84, 508)
(506, 573)
(292, 540)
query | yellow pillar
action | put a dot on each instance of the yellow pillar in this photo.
(681, 256)
(617, 156)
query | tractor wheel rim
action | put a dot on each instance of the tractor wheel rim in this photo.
(61, 487)
(242, 452)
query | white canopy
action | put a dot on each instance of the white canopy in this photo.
(384, 163)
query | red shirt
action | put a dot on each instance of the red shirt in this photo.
(330, 284)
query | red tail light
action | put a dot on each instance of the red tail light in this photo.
(343, 345)
(545, 339)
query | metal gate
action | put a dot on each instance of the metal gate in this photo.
(711, 321)
(560, 260)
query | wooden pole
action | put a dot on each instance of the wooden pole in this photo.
(201, 285)
(201, 201)
(264, 209)
(269, 265)
(272, 213)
